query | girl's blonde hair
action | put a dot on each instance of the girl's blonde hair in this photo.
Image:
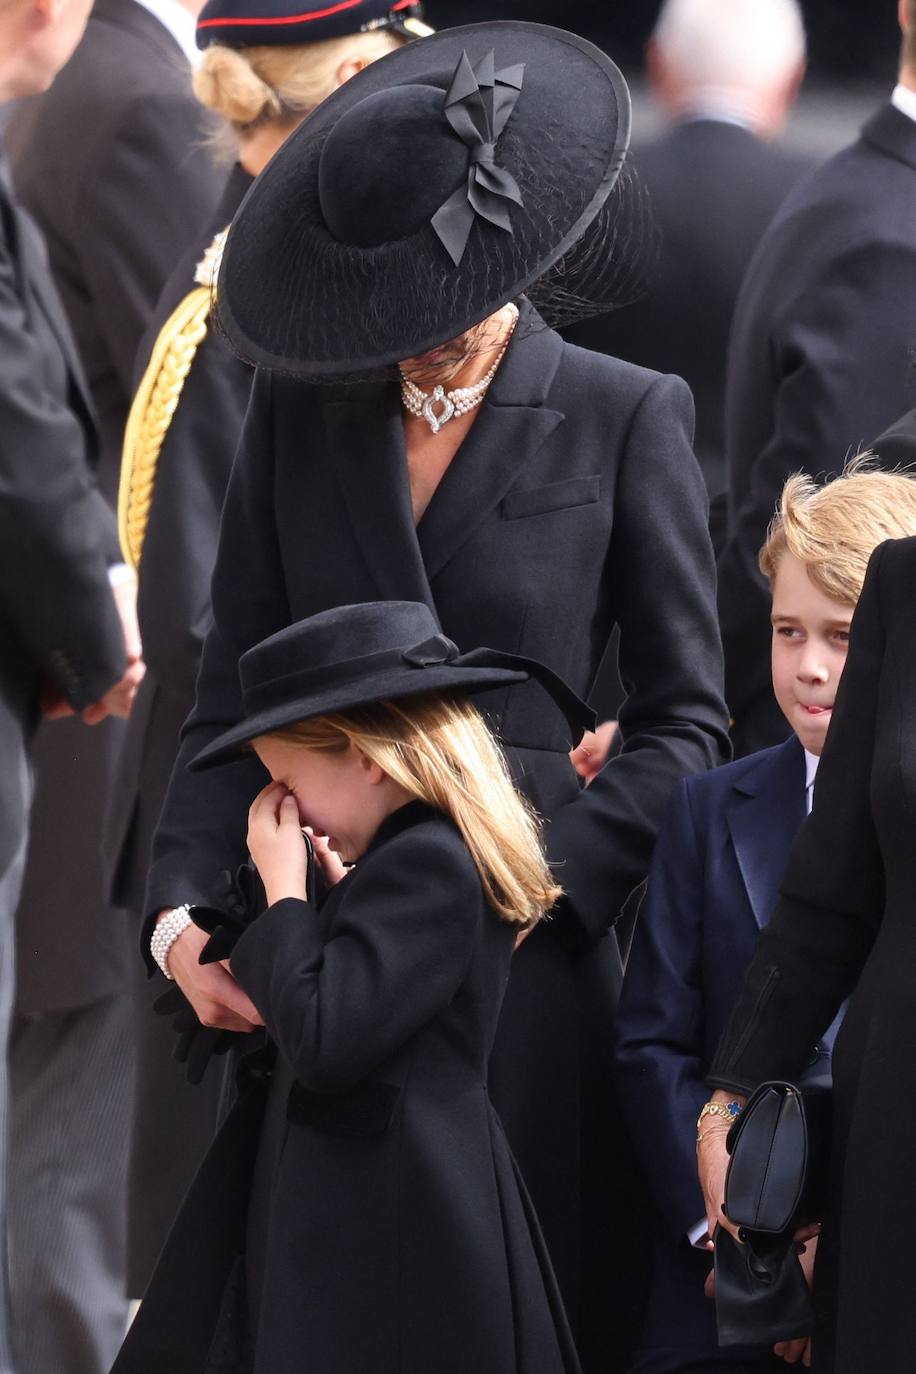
(258, 85)
(833, 529)
(438, 748)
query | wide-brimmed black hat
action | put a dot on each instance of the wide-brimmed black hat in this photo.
(375, 651)
(436, 185)
(274, 23)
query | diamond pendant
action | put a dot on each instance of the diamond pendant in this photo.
(435, 421)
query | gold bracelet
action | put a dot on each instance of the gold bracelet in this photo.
(728, 1111)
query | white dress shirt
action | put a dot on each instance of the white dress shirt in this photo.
(811, 762)
(904, 100)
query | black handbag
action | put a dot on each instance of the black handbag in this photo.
(776, 1180)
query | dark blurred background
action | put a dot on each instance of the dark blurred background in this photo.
(853, 47)
(848, 39)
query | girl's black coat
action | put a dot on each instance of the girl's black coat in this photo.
(398, 1239)
(574, 503)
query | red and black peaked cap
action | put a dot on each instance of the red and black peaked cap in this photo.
(246, 23)
(436, 185)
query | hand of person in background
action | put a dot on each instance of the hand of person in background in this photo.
(119, 698)
(589, 757)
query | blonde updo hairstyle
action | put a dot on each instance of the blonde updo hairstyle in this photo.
(251, 87)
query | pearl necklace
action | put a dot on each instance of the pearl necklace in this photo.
(459, 401)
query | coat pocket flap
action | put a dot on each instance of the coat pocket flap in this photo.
(575, 491)
(365, 1111)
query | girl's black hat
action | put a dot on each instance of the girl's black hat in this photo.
(245, 23)
(437, 184)
(376, 651)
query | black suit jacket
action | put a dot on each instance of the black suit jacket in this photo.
(715, 876)
(179, 551)
(821, 360)
(573, 503)
(896, 447)
(390, 1233)
(713, 188)
(844, 924)
(111, 162)
(58, 623)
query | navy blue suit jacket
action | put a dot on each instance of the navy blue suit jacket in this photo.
(713, 883)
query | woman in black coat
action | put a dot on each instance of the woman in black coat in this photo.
(571, 502)
(381, 1224)
(844, 925)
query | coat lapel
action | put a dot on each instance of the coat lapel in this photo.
(366, 436)
(512, 425)
(892, 132)
(766, 809)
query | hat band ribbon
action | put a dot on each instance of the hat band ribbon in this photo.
(304, 681)
(437, 651)
(478, 104)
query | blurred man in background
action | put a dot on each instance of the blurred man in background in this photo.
(62, 647)
(112, 163)
(726, 74)
(821, 360)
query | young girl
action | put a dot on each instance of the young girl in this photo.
(362, 1214)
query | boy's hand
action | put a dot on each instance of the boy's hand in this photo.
(793, 1351)
(276, 845)
(327, 859)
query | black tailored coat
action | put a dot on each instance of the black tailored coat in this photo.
(396, 1236)
(896, 447)
(713, 188)
(573, 504)
(58, 624)
(820, 361)
(844, 924)
(111, 163)
(173, 607)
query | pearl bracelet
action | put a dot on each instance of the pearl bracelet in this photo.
(168, 929)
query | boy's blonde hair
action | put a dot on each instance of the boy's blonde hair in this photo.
(438, 748)
(833, 529)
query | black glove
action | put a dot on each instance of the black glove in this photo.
(240, 900)
(196, 1043)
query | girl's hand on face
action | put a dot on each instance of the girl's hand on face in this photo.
(275, 842)
(327, 859)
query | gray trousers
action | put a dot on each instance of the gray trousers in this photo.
(10, 884)
(15, 800)
(71, 1083)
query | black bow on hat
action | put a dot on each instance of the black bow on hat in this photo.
(376, 651)
(478, 104)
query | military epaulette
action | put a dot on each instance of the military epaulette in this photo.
(157, 399)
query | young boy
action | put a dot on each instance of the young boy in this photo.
(714, 879)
